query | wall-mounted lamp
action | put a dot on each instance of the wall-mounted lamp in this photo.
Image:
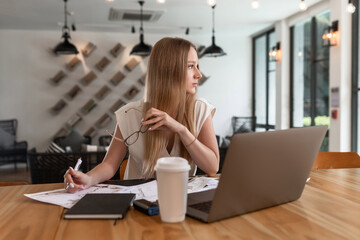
(331, 34)
(275, 53)
(351, 7)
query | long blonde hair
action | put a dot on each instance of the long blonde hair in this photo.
(166, 91)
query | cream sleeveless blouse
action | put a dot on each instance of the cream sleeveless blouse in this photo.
(129, 118)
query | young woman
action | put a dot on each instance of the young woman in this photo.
(169, 121)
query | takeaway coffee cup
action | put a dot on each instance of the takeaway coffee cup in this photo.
(172, 175)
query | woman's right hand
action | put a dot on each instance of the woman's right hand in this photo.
(75, 180)
(160, 120)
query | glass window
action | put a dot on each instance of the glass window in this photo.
(264, 79)
(310, 74)
(272, 98)
(260, 80)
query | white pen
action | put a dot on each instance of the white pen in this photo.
(77, 166)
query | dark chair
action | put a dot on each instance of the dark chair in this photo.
(243, 124)
(239, 125)
(76, 145)
(105, 140)
(15, 151)
(51, 167)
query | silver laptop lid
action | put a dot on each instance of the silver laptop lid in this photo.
(265, 169)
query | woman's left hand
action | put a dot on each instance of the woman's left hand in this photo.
(159, 120)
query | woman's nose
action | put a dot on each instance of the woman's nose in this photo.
(198, 74)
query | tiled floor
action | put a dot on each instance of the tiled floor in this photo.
(9, 174)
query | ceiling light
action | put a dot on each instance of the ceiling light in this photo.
(161, 1)
(141, 49)
(255, 4)
(211, 2)
(303, 5)
(351, 7)
(213, 50)
(65, 47)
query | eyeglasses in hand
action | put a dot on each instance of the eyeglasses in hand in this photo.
(132, 138)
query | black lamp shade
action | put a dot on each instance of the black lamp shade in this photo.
(213, 50)
(141, 49)
(65, 48)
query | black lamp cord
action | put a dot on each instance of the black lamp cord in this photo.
(65, 28)
(213, 24)
(141, 17)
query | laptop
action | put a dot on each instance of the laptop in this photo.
(261, 170)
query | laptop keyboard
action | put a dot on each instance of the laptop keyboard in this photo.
(203, 206)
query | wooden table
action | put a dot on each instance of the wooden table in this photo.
(328, 209)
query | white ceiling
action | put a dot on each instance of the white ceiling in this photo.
(92, 15)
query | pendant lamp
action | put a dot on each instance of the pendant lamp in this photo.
(213, 50)
(141, 49)
(65, 47)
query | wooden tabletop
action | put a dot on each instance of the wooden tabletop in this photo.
(329, 208)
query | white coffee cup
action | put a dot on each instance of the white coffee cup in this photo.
(172, 175)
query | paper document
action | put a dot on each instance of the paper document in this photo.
(62, 198)
(146, 191)
(198, 184)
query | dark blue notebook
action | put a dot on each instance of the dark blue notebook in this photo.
(101, 206)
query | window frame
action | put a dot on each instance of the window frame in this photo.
(265, 126)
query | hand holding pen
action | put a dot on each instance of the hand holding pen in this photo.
(70, 176)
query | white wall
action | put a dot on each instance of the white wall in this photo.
(27, 64)
(340, 76)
